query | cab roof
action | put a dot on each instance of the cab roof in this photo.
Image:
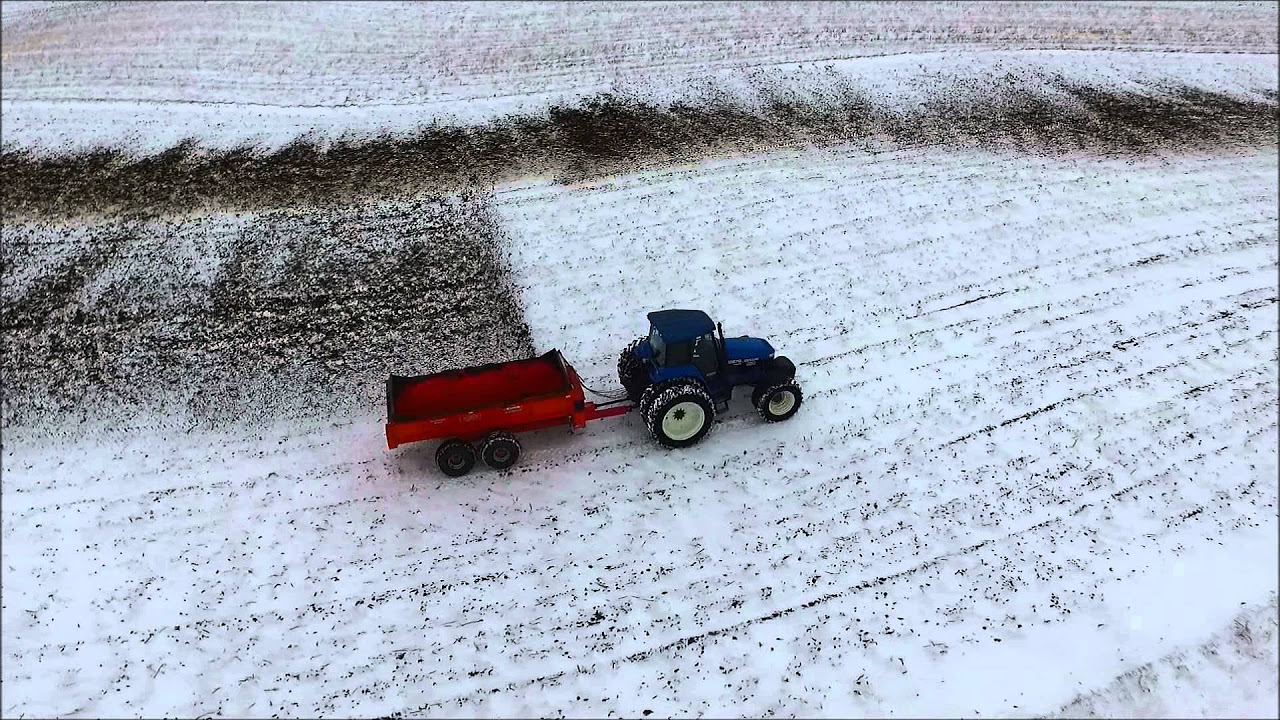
(677, 326)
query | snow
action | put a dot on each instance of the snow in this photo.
(13, 9)
(824, 252)
(1035, 471)
(982, 508)
(897, 82)
(403, 52)
(1239, 662)
(267, 73)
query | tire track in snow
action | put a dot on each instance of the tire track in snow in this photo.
(1097, 503)
(812, 517)
(370, 499)
(1073, 514)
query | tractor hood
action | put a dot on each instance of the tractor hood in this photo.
(747, 348)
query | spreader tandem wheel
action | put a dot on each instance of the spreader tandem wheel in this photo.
(500, 450)
(455, 457)
(680, 415)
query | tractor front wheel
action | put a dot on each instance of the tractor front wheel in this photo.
(778, 402)
(681, 415)
(455, 457)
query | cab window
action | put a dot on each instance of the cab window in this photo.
(659, 347)
(678, 354)
(704, 354)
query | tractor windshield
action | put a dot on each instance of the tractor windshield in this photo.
(659, 347)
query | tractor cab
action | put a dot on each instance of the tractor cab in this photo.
(691, 336)
(685, 368)
(687, 344)
(684, 344)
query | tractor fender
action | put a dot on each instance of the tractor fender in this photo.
(780, 369)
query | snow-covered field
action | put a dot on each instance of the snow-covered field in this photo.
(259, 74)
(1040, 407)
(1234, 663)
(899, 82)
(288, 54)
(1035, 472)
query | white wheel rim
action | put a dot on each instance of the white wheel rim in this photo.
(782, 402)
(683, 420)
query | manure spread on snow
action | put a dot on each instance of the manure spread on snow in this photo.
(298, 314)
(612, 133)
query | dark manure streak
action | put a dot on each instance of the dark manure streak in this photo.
(224, 319)
(610, 133)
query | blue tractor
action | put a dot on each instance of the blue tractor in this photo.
(685, 369)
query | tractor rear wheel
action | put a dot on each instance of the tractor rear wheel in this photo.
(631, 372)
(455, 457)
(651, 394)
(500, 450)
(646, 400)
(778, 402)
(681, 415)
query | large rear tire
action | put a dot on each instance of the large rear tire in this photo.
(681, 415)
(651, 394)
(455, 457)
(646, 401)
(631, 372)
(500, 450)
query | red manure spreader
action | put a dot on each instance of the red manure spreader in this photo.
(488, 404)
(677, 377)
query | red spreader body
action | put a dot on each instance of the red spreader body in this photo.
(472, 403)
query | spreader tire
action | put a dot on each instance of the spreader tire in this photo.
(680, 415)
(455, 457)
(778, 402)
(500, 450)
(631, 372)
